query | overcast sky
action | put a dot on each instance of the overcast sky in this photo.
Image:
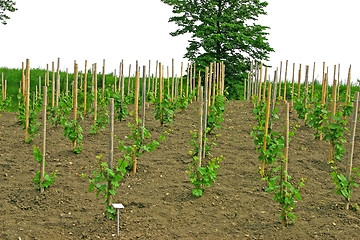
(305, 32)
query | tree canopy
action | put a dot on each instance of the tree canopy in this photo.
(6, 6)
(223, 30)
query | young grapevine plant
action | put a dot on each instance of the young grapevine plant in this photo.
(48, 179)
(106, 181)
(202, 177)
(73, 131)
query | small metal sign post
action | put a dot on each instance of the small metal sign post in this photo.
(117, 206)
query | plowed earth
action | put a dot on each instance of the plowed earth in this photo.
(158, 201)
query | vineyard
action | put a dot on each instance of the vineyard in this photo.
(186, 162)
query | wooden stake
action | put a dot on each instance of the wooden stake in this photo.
(160, 92)
(348, 87)
(266, 127)
(67, 82)
(42, 165)
(103, 79)
(111, 145)
(85, 86)
(260, 83)
(143, 101)
(53, 85)
(95, 93)
(299, 83)
(285, 80)
(284, 163)
(293, 85)
(187, 82)
(352, 142)
(201, 111)
(129, 80)
(75, 89)
(181, 79)
(27, 103)
(209, 83)
(58, 83)
(279, 94)
(172, 82)
(306, 88)
(264, 88)
(136, 105)
(313, 83)
(205, 106)
(332, 120)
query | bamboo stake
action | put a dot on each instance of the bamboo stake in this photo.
(332, 120)
(42, 165)
(176, 86)
(149, 77)
(129, 81)
(39, 85)
(67, 82)
(58, 83)
(199, 83)
(286, 160)
(168, 81)
(172, 82)
(285, 80)
(27, 103)
(209, 83)
(222, 78)
(214, 86)
(103, 78)
(313, 83)
(190, 79)
(75, 90)
(200, 125)
(245, 82)
(299, 83)
(5, 89)
(306, 88)
(352, 142)
(293, 85)
(2, 85)
(143, 101)
(136, 106)
(261, 69)
(279, 94)
(323, 96)
(95, 93)
(194, 80)
(160, 92)
(53, 86)
(205, 106)
(339, 83)
(181, 79)
(155, 82)
(85, 86)
(264, 88)
(187, 82)
(111, 144)
(266, 127)
(23, 82)
(250, 82)
(115, 80)
(348, 87)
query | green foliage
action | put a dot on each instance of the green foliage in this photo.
(222, 31)
(102, 117)
(106, 181)
(300, 108)
(347, 110)
(164, 110)
(60, 114)
(215, 116)
(202, 177)
(121, 107)
(48, 179)
(6, 5)
(138, 136)
(5, 104)
(73, 131)
(317, 118)
(284, 192)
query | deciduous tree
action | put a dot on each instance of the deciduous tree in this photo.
(223, 30)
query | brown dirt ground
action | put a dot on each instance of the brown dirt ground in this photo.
(158, 201)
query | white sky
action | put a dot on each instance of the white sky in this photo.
(305, 32)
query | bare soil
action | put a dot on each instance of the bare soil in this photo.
(158, 200)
